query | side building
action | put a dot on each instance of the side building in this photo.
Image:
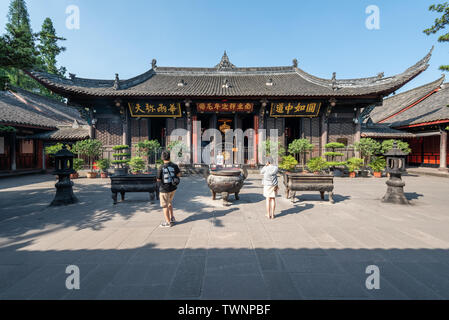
(286, 98)
(30, 122)
(423, 114)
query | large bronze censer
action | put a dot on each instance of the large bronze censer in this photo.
(225, 181)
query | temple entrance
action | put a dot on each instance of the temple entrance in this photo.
(156, 129)
(292, 129)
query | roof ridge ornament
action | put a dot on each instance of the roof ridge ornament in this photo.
(116, 82)
(334, 81)
(72, 76)
(380, 75)
(153, 64)
(295, 63)
(225, 64)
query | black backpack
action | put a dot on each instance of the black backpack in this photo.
(172, 179)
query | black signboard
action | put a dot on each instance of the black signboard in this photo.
(294, 109)
(155, 109)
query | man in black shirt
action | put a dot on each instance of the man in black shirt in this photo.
(168, 178)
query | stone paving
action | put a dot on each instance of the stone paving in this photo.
(312, 250)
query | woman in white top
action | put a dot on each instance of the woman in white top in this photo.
(270, 186)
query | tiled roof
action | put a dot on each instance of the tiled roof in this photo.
(21, 107)
(433, 108)
(64, 133)
(396, 103)
(227, 80)
(378, 130)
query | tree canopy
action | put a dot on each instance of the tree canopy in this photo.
(440, 24)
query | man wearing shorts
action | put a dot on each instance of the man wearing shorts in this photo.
(166, 175)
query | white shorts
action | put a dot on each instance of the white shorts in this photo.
(269, 191)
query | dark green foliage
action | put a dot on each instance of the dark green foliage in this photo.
(288, 163)
(354, 164)
(18, 51)
(103, 164)
(440, 24)
(317, 164)
(387, 145)
(77, 164)
(49, 48)
(378, 164)
(301, 147)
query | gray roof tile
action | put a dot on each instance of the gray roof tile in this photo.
(21, 107)
(247, 82)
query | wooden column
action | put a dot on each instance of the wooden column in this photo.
(358, 130)
(13, 151)
(324, 133)
(443, 150)
(125, 127)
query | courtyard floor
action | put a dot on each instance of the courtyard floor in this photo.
(313, 249)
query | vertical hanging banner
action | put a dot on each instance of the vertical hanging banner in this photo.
(294, 109)
(155, 109)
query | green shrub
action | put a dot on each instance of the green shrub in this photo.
(317, 164)
(334, 145)
(387, 145)
(301, 147)
(124, 154)
(378, 164)
(354, 164)
(91, 148)
(367, 148)
(51, 150)
(78, 164)
(120, 147)
(288, 163)
(136, 164)
(103, 164)
(123, 161)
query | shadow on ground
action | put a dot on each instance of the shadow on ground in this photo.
(152, 273)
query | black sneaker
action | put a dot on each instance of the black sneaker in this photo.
(165, 225)
(173, 220)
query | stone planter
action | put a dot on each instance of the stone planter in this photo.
(91, 175)
(308, 182)
(225, 181)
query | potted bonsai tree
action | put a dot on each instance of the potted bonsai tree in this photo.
(367, 147)
(136, 164)
(121, 159)
(92, 149)
(288, 163)
(103, 165)
(300, 147)
(317, 165)
(335, 166)
(377, 165)
(148, 149)
(353, 165)
(77, 166)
